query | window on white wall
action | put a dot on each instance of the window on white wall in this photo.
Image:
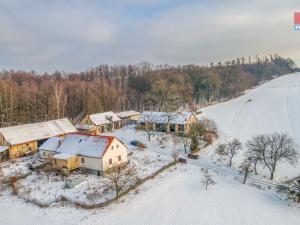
(82, 160)
(119, 158)
(110, 161)
(112, 147)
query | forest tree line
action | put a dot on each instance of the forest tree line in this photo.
(31, 97)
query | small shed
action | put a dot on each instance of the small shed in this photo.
(99, 123)
(129, 117)
(65, 161)
(174, 122)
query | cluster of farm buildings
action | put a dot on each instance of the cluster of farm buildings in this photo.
(83, 146)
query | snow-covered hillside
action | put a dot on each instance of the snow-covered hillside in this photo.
(273, 106)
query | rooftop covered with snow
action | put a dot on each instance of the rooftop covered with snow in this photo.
(104, 118)
(164, 117)
(84, 126)
(128, 113)
(51, 144)
(62, 156)
(3, 148)
(36, 131)
(85, 145)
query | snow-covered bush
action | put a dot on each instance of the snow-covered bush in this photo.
(291, 188)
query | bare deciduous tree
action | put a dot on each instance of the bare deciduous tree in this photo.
(60, 100)
(272, 149)
(176, 141)
(255, 146)
(229, 149)
(207, 180)
(186, 141)
(246, 168)
(119, 177)
(148, 119)
(162, 139)
(209, 125)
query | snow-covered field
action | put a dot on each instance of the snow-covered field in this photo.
(175, 197)
(273, 106)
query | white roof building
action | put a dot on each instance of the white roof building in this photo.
(79, 150)
(78, 144)
(85, 145)
(129, 113)
(104, 118)
(164, 117)
(36, 131)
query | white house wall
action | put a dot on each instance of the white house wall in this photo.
(91, 163)
(113, 152)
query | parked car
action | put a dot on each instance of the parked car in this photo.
(138, 144)
(182, 160)
(193, 156)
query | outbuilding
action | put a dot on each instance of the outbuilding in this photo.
(99, 123)
(25, 139)
(129, 117)
(174, 122)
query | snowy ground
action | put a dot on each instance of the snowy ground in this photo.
(274, 106)
(175, 197)
(90, 189)
(130, 133)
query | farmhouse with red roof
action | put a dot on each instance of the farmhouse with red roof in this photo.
(92, 153)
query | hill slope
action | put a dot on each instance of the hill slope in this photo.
(273, 106)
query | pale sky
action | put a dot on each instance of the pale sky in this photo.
(74, 35)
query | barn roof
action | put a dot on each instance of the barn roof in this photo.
(164, 117)
(83, 145)
(36, 131)
(103, 118)
(128, 113)
(84, 126)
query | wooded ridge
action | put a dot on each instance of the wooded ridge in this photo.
(31, 97)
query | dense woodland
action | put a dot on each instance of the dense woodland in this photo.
(31, 97)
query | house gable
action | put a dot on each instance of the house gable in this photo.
(115, 150)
